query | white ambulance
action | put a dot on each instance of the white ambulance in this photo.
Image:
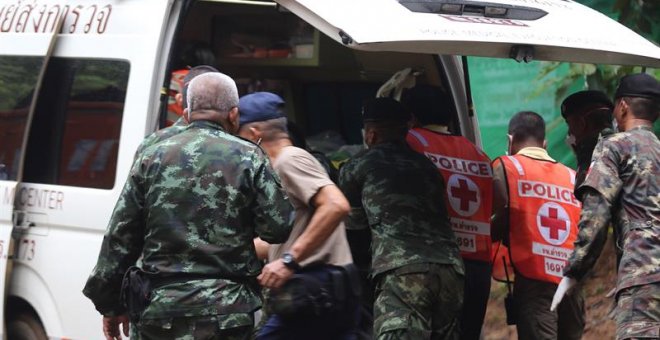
(83, 81)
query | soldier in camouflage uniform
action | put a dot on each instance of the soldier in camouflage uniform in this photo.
(588, 115)
(623, 185)
(190, 208)
(416, 266)
(180, 123)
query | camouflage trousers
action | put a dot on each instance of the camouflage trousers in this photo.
(212, 327)
(419, 301)
(638, 312)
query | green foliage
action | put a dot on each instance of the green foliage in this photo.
(94, 75)
(584, 77)
(642, 16)
(18, 76)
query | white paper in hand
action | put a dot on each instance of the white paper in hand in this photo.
(564, 288)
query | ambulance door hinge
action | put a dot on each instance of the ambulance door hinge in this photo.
(345, 38)
(522, 53)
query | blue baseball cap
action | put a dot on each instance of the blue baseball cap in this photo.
(260, 106)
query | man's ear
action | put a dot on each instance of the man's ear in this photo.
(186, 116)
(234, 120)
(256, 134)
(370, 136)
(545, 144)
(178, 98)
(625, 108)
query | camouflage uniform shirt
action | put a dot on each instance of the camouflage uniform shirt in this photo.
(624, 173)
(161, 135)
(395, 191)
(190, 207)
(584, 152)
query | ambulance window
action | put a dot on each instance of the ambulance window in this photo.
(18, 76)
(74, 137)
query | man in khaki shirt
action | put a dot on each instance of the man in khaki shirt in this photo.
(317, 244)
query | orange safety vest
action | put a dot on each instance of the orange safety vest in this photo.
(502, 268)
(469, 181)
(174, 110)
(543, 216)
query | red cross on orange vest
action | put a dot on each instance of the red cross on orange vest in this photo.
(553, 223)
(463, 193)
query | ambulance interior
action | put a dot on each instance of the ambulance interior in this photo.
(266, 48)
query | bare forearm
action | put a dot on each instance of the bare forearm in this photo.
(331, 208)
(320, 227)
(261, 248)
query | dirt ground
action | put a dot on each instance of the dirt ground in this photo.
(599, 325)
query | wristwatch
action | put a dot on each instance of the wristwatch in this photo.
(290, 262)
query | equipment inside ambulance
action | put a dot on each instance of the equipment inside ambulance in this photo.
(83, 81)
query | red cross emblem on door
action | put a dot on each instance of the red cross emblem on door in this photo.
(463, 195)
(553, 223)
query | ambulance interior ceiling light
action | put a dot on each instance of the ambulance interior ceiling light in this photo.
(473, 8)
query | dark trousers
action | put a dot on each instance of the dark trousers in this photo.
(340, 324)
(475, 300)
(537, 322)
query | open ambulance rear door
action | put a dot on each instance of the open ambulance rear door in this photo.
(552, 30)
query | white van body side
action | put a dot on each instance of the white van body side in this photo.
(58, 250)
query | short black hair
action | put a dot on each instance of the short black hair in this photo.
(389, 130)
(527, 125)
(643, 108)
(429, 104)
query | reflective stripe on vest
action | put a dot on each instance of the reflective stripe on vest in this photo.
(543, 216)
(469, 181)
(419, 137)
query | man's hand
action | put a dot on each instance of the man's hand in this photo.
(565, 286)
(275, 274)
(111, 326)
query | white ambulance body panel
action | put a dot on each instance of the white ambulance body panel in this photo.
(61, 237)
(563, 31)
